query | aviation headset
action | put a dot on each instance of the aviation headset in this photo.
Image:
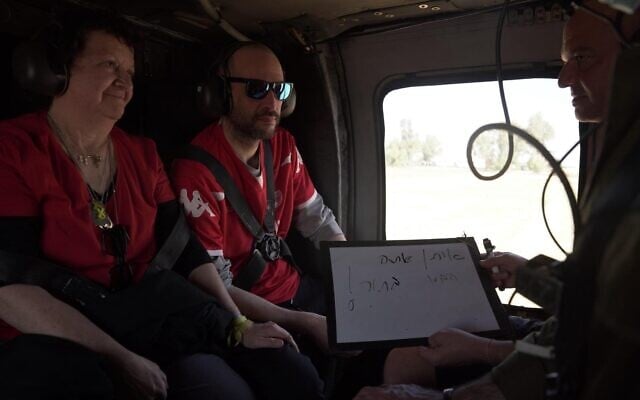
(38, 65)
(213, 96)
(621, 7)
(42, 65)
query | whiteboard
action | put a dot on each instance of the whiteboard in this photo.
(401, 292)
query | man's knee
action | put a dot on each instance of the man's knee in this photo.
(206, 376)
(46, 367)
(279, 373)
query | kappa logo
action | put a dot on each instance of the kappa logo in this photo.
(196, 206)
(286, 161)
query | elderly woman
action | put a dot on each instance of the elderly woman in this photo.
(78, 191)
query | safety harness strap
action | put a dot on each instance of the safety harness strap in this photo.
(268, 246)
(20, 268)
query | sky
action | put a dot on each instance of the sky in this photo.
(453, 112)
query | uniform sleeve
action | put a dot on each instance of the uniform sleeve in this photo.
(521, 376)
(614, 334)
(201, 199)
(17, 198)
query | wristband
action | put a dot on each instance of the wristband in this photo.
(238, 326)
(447, 394)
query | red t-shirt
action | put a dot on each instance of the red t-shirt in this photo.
(216, 223)
(37, 178)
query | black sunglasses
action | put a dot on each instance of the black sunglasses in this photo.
(258, 89)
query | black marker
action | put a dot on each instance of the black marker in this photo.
(489, 247)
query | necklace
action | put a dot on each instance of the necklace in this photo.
(79, 157)
(97, 205)
(99, 212)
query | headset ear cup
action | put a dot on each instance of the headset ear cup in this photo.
(289, 105)
(35, 70)
(211, 97)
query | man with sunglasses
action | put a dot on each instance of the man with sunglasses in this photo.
(254, 90)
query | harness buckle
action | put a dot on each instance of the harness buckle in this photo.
(269, 247)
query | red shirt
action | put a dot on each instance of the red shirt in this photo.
(216, 223)
(37, 178)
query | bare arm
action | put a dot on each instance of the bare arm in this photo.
(260, 335)
(206, 277)
(453, 347)
(257, 308)
(31, 309)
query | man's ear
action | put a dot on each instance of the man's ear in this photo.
(213, 97)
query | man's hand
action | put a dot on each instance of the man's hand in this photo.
(143, 379)
(397, 392)
(502, 268)
(453, 347)
(314, 326)
(266, 335)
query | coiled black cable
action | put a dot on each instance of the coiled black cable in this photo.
(591, 131)
(503, 99)
(555, 166)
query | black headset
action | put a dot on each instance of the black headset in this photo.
(213, 96)
(38, 65)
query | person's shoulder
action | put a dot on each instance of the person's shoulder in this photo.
(22, 134)
(283, 134)
(283, 139)
(207, 137)
(26, 124)
(184, 170)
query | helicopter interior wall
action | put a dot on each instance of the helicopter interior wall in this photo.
(439, 48)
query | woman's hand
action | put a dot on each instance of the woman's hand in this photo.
(502, 268)
(266, 335)
(143, 379)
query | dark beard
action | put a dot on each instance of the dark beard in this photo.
(249, 130)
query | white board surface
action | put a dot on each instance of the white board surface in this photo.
(400, 292)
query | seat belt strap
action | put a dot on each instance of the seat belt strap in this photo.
(172, 247)
(251, 272)
(232, 194)
(19, 268)
(270, 214)
(254, 268)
